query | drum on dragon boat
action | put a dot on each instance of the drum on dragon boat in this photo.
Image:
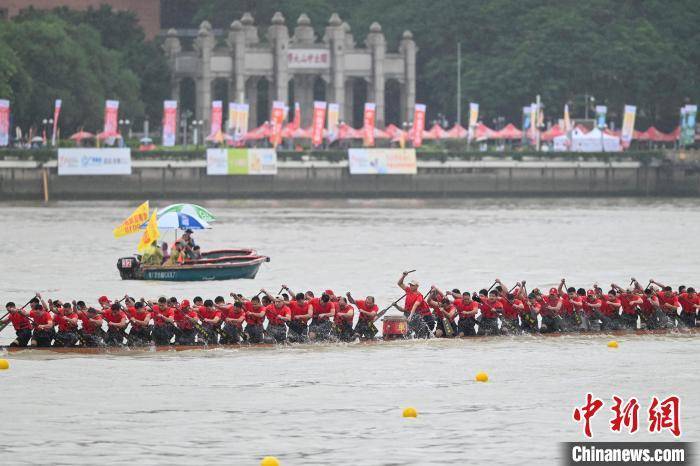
(394, 327)
(223, 264)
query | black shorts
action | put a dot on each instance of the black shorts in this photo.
(422, 326)
(277, 332)
(321, 329)
(162, 335)
(298, 331)
(43, 337)
(65, 339)
(365, 330)
(114, 337)
(23, 337)
(466, 326)
(688, 319)
(139, 335)
(440, 326)
(186, 337)
(231, 334)
(344, 330)
(488, 326)
(254, 332)
(212, 335)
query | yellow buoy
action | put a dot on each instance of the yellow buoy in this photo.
(4, 364)
(410, 412)
(270, 461)
(482, 377)
(612, 344)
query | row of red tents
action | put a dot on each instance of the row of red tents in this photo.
(394, 133)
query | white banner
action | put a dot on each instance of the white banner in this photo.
(241, 162)
(94, 161)
(367, 161)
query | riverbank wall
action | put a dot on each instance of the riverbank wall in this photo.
(188, 179)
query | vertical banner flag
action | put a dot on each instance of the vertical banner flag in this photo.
(473, 118)
(276, 119)
(169, 122)
(600, 114)
(368, 127)
(333, 119)
(151, 234)
(297, 116)
(418, 124)
(216, 117)
(232, 118)
(526, 122)
(133, 222)
(628, 125)
(111, 112)
(56, 113)
(533, 120)
(688, 123)
(4, 122)
(319, 120)
(242, 125)
(567, 119)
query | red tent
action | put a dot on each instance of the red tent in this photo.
(261, 132)
(551, 133)
(657, 136)
(436, 132)
(107, 135)
(509, 132)
(346, 131)
(483, 132)
(640, 135)
(392, 130)
(457, 132)
(80, 135)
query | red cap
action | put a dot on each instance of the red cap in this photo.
(185, 303)
(590, 293)
(329, 292)
(553, 291)
(103, 299)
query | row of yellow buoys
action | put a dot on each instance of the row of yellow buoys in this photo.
(409, 412)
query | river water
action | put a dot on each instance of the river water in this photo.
(341, 404)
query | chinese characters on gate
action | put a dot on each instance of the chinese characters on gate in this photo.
(661, 414)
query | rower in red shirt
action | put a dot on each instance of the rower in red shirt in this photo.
(668, 302)
(323, 312)
(21, 324)
(163, 315)
(446, 325)
(116, 324)
(254, 318)
(531, 309)
(210, 316)
(610, 310)
(570, 318)
(467, 309)
(629, 303)
(490, 308)
(186, 318)
(511, 307)
(140, 318)
(367, 309)
(343, 318)
(550, 308)
(690, 303)
(67, 321)
(278, 314)
(234, 316)
(420, 320)
(302, 313)
(42, 323)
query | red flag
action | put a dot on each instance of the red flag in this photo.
(216, 117)
(276, 119)
(368, 127)
(56, 113)
(418, 124)
(318, 123)
(111, 112)
(169, 122)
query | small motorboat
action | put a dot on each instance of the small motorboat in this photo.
(222, 264)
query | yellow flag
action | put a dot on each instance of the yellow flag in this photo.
(133, 222)
(151, 234)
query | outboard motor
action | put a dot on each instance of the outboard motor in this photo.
(128, 266)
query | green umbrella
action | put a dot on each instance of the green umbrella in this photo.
(192, 210)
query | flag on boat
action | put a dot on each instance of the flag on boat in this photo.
(133, 222)
(151, 234)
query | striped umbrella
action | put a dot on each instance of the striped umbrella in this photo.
(193, 210)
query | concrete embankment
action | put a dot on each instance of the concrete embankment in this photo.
(27, 180)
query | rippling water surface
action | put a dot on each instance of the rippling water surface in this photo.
(341, 404)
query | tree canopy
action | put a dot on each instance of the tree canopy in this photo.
(640, 52)
(82, 58)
